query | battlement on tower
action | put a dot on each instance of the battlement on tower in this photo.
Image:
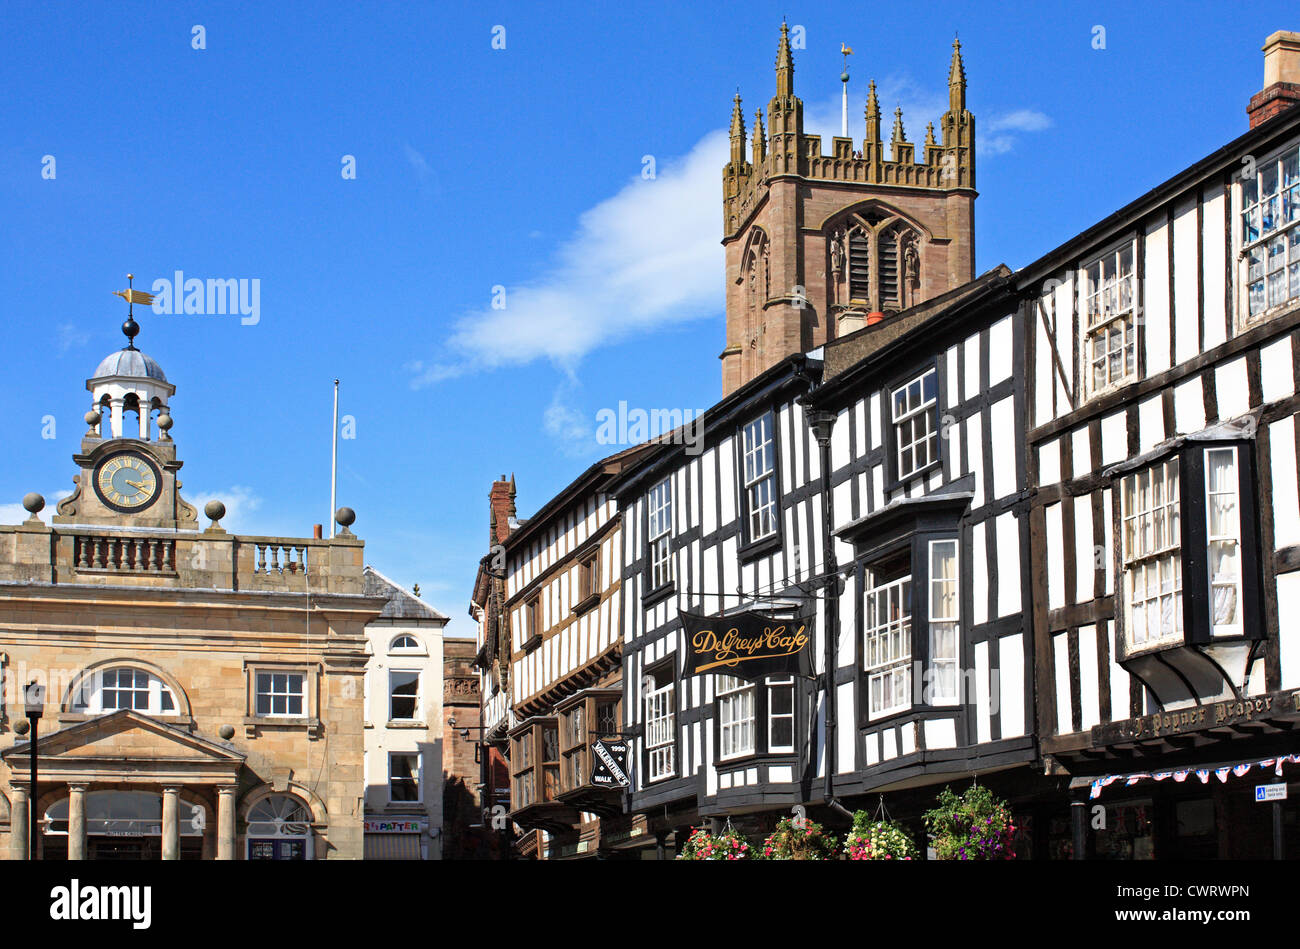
(946, 165)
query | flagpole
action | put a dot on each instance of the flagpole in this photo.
(334, 459)
(846, 52)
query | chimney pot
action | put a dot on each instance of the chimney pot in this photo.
(1281, 78)
(316, 531)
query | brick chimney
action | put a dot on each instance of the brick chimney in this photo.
(501, 504)
(1281, 78)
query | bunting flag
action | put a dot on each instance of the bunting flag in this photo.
(1203, 775)
(1239, 770)
(1180, 776)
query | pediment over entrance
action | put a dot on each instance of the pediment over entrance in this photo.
(127, 744)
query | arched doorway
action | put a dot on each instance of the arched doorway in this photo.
(125, 825)
(279, 828)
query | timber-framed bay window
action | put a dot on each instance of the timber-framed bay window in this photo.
(910, 627)
(1188, 547)
(586, 716)
(754, 717)
(1108, 316)
(1270, 233)
(534, 763)
(660, 724)
(659, 530)
(914, 425)
(758, 474)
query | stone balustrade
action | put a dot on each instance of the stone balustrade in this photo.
(199, 559)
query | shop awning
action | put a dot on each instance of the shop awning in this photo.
(392, 846)
(1201, 773)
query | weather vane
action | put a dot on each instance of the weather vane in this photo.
(132, 296)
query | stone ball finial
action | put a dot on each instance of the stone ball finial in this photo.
(93, 417)
(345, 517)
(33, 503)
(165, 422)
(226, 732)
(215, 510)
(21, 727)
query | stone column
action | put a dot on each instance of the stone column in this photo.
(18, 820)
(226, 822)
(171, 829)
(76, 822)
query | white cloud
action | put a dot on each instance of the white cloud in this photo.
(240, 502)
(648, 256)
(567, 425)
(995, 134)
(69, 336)
(16, 513)
(424, 173)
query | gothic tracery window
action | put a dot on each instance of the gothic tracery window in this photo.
(874, 262)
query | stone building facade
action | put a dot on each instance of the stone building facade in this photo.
(818, 245)
(203, 689)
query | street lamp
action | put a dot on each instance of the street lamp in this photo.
(34, 697)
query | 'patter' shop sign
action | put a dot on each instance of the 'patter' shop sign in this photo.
(1196, 718)
(748, 645)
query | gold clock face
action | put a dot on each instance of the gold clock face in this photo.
(127, 482)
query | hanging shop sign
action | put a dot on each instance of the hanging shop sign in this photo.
(748, 645)
(1197, 718)
(609, 763)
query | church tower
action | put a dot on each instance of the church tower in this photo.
(819, 245)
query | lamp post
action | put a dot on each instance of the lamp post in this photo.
(34, 698)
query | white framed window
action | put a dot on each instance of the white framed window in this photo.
(404, 785)
(1270, 232)
(944, 623)
(405, 643)
(280, 694)
(659, 533)
(914, 413)
(119, 687)
(660, 724)
(1223, 533)
(735, 716)
(780, 714)
(1153, 565)
(1109, 318)
(403, 695)
(760, 477)
(887, 646)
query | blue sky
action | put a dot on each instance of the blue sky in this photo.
(479, 168)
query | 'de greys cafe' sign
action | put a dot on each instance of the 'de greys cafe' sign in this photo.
(748, 645)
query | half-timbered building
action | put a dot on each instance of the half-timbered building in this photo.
(561, 573)
(1163, 391)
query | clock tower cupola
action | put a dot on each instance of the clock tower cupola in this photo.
(128, 459)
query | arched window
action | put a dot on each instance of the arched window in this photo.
(405, 643)
(126, 814)
(279, 828)
(874, 261)
(118, 687)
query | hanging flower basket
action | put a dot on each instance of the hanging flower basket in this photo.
(974, 826)
(726, 845)
(879, 839)
(805, 840)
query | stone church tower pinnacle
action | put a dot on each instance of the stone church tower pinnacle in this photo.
(820, 245)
